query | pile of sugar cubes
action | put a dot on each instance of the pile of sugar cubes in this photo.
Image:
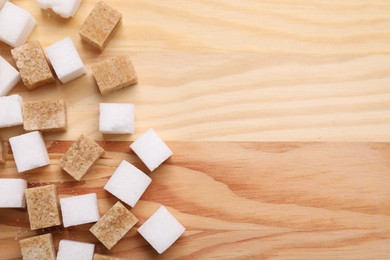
(34, 66)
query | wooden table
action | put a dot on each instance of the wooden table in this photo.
(260, 101)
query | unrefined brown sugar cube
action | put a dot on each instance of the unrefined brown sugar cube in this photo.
(114, 74)
(104, 257)
(38, 247)
(32, 64)
(42, 207)
(100, 25)
(80, 157)
(45, 116)
(114, 225)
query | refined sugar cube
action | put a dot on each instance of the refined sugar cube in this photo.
(42, 207)
(32, 64)
(2, 152)
(73, 250)
(65, 60)
(38, 247)
(128, 183)
(29, 151)
(114, 74)
(12, 193)
(78, 210)
(114, 225)
(16, 25)
(9, 77)
(80, 157)
(104, 257)
(44, 115)
(151, 150)
(116, 118)
(100, 25)
(11, 112)
(161, 230)
(64, 8)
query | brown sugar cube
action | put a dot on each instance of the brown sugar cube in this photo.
(100, 25)
(80, 157)
(42, 207)
(32, 64)
(114, 74)
(45, 116)
(114, 225)
(2, 152)
(104, 257)
(39, 247)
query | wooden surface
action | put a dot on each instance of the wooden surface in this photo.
(245, 71)
(239, 200)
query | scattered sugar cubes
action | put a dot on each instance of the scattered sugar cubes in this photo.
(161, 230)
(151, 150)
(16, 25)
(9, 77)
(38, 247)
(116, 118)
(74, 250)
(65, 60)
(32, 64)
(64, 8)
(12, 193)
(79, 210)
(29, 151)
(114, 225)
(128, 183)
(114, 74)
(100, 25)
(11, 112)
(104, 257)
(42, 207)
(45, 116)
(80, 157)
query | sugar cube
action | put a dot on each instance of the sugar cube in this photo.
(114, 74)
(104, 257)
(161, 230)
(2, 152)
(151, 149)
(74, 250)
(38, 247)
(32, 64)
(80, 157)
(128, 183)
(65, 60)
(11, 113)
(79, 210)
(100, 25)
(116, 118)
(16, 25)
(64, 8)
(114, 225)
(9, 77)
(12, 193)
(29, 151)
(44, 115)
(42, 207)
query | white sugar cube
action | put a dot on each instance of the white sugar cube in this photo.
(116, 118)
(12, 193)
(64, 8)
(74, 250)
(16, 25)
(9, 77)
(29, 151)
(11, 111)
(78, 210)
(161, 230)
(65, 60)
(128, 183)
(151, 150)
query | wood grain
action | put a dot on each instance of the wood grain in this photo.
(228, 70)
(238, 200)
